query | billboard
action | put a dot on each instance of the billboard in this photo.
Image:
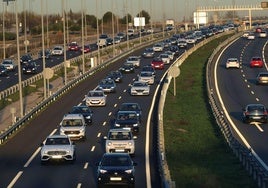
(139, 21)
(200, 17)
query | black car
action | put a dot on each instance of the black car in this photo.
(127, 120)
(107, 85)
(148, 52)
(116, 76)
(26, 58)
(85, 111)
(3, 70)
(116, 169)
(174, 49)
(109, 41)
(127, 68)
(131, 106)
(255, 113)
(29, 68)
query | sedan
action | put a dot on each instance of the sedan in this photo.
(131, 106)
(158, 47)
(262, 78)
(256, 62)
(95, 98)
(57, 50)
(116, 76)
(140, 88)
(9, 64)
(107, 85)
(85, 111)
(47, 54)
(157, 63)
(165, 58)
(127, 68)
(26, 58)
(116, 168)
(134, 60)
(146, 76)
(148, 52)
(29, 68)
(87, 49)
(232, 63)
(255, 113)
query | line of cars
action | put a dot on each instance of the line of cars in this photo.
(255, 112)
(116, 165)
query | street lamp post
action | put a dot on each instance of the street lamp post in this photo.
(83, 42)
(64, 42)
(4, 37)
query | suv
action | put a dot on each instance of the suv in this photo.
(116, 168)
(85, 111)
(120, 140)
(127, 120)
(57, 147)
(74, 126)
(95, 98)
(131, 106)
(134, 60)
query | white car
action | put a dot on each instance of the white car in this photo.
(57, 50)
(263, 34)
(251, 36)
(165, 58)
(232, 63)
(146, 76)
(9, 64)
(57, 147)
(158, 47)
(190, 40)
(120, 140)
(140, 88)
(134, 60)
(95, 98)
(170, 54)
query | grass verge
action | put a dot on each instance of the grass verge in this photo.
(197, 153)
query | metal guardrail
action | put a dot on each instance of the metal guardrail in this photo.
(244, 154)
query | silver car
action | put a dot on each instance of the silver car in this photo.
(57, 147)
(120, 140)
(146, 76)
(73, 125)
(95, 98)
(140, 88)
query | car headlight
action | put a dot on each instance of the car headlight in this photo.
(23, 68)
(129, 171)
(109, 143)
(103, 171)
(135, 125)
(117, 125)
(88, 117)
(130, 143)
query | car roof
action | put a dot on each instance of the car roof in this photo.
(57, 136)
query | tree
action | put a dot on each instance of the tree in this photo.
(146, 15)
(126, 19)
(107, 17)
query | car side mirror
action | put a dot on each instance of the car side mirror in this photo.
(97, 163)
(135, 164)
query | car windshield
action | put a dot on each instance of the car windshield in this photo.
(139, 84)
(127, 116)
(95, 94)
(119, 136)
(256, 108)
(71, 122)
(57, 141)
(146, 74)
(80, 110)
(116, 161)
(129, 107)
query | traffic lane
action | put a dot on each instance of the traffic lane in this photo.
(241, 92)
(60, 116)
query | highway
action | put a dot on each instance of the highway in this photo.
(20, 156)
(237, 88)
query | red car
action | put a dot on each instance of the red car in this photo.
(86, 49)
(256, 62)
(157, 63)
(73, 46)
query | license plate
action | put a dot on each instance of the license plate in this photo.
(57, 157)
(115, 178)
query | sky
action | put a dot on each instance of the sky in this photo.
(157, 9)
